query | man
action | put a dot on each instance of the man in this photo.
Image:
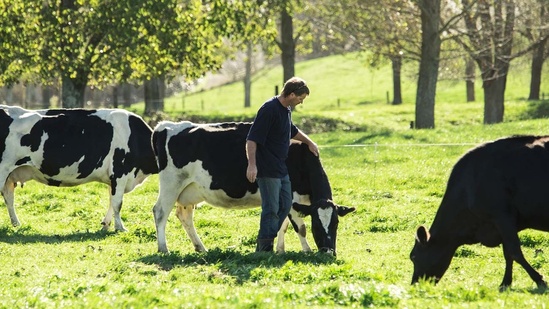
(267, 148)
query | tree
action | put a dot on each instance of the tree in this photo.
(287, 37)
(287, 42)
(254, 28)
(385, 30)
(535, 33)
(428, 66)
(489, 33)
(470, 79)
(77, 38)
(16, 20)
(248, 76)
(105, 42)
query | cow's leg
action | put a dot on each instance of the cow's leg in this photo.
(161, 211)
(511, 244)
(117, 195)
(508, 276)
(185, 215)
(301, 229)
(108, 218)
(169, 190)
(9, 195)
(280, 236)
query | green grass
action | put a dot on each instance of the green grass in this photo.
(394, 176)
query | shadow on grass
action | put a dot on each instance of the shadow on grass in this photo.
(25, 235)
(235, 263)
(531, 290)
(536, 110)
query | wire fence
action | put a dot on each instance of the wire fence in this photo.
(398, 145)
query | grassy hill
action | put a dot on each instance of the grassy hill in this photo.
(343, 87)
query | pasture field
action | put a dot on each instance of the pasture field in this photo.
(394, 176)
(59, 257)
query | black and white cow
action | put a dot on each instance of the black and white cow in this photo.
(69, 147)
(207, 162)
(494, 191)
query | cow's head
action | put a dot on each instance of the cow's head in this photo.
(431, 258)
(325, 219)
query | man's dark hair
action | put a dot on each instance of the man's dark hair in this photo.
(296, 85)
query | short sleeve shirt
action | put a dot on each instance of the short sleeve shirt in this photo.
(272, 130)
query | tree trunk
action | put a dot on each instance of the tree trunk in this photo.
(127, 95)
(397, 90)
(428, 65)
(30, 99)
(72, 92)
(248, 76)
(47, 94)
(538, 57)
(115, 96)
(9, 95)
(72, 88)
(470, 79)
(494, 98)
(287, 44)
(154, 95)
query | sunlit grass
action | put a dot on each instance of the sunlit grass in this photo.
(393, 175)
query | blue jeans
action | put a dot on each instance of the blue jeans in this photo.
(276, 201)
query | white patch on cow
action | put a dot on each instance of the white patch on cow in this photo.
(173, 128)
(68, 175)
(301, 199)
(325, 216)
(121, 126)
(197, 189)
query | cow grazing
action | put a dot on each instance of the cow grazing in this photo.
(494, 191)
(69, 147)
(207, 163)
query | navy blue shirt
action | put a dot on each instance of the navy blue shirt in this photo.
(272, 130)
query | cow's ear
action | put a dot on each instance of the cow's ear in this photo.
(422, 235)
(343, 210)
(305, 210)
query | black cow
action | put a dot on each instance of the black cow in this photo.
(494, 191)
(208, 163)
(69, 147)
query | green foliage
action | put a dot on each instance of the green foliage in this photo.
(103, 42)
(16, 22)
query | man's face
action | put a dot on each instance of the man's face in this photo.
(296, 100)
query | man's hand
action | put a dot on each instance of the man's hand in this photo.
(313, 147)
(251, 173)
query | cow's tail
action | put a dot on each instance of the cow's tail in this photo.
(159, 139)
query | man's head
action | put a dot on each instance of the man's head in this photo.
(295, 91)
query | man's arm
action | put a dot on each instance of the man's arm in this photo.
(302, 137)
(251, 171)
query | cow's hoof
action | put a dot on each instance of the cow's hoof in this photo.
(200, 249)
(163, 250)
(105, 225)
(503, 288)
(16, 223)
